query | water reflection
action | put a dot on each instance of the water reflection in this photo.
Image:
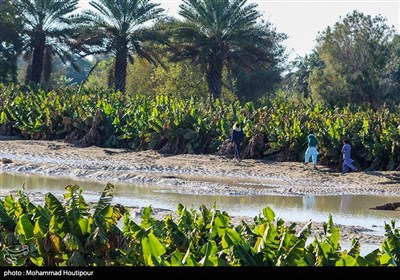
(346, 209)
(345, 201)
(308, 201)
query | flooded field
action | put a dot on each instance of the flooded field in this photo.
(346, 209)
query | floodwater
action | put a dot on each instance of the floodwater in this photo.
(345, 209)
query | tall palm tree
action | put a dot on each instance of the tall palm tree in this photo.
(119, 27)
(47, 31)
(220, 33)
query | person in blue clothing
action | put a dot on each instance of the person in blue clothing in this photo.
(237, 137)
(312, 151)
(347, 161)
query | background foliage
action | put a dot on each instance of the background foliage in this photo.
(275, 129)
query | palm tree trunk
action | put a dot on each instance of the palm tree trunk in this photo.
(120, 69)
(36, 70)
(214, 78)
(47, 67)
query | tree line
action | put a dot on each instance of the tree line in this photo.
(225, 45)
(213, 35)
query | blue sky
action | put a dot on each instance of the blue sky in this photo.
(302, 20)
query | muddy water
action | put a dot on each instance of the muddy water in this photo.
(345, 209)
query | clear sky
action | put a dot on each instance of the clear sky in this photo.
(302, 20)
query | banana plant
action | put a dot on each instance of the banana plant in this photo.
(170, 123)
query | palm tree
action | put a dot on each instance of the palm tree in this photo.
(47, 31)
(220, 33)
(303, 67)
(119, 27)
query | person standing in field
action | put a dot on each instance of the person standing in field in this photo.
(237, 137)
(311, 151)
(347, 161)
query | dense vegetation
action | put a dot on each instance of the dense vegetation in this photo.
(72, 233)
(275, 129)
(222, 49)
(219, 48)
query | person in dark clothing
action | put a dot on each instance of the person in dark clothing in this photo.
(237, 137)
